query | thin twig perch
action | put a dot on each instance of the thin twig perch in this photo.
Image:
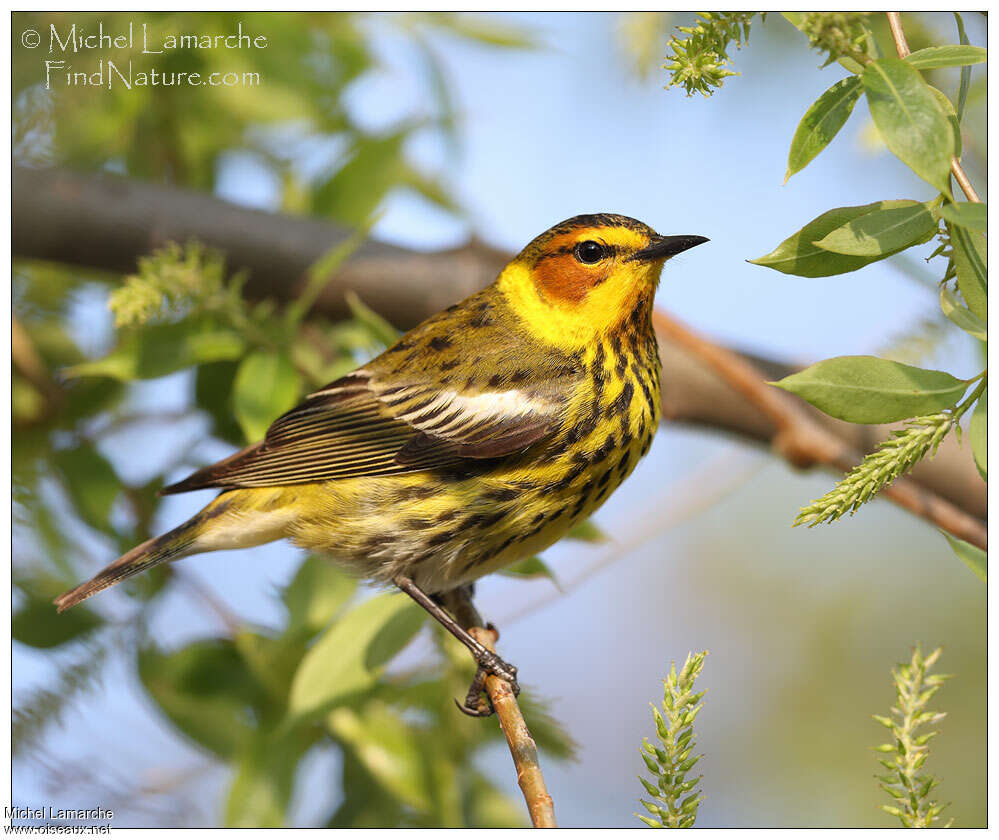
(522, 747)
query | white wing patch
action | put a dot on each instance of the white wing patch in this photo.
(452, 415)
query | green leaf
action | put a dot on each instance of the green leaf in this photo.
(213, 384)
(962, 91)
(968, 214)
(866, 389)
(971, 264)
(315, 595)
(978, 433)
(972, 556)
(91, 482)
(157, 350)
(37, 624)
(910, 120)
(491, 807)
(529, 567)
(948, 108)
(348, 658)
(322, 271)
(961, 315)
(387, 747)
(380, 329)
(207, 692)
(799, 255)
(264, 780)
(366, 804)
(352, 194)
(267, 385)
(587, 531)
(822, 121)
(948, 56)
(882, 233)
(272, 661)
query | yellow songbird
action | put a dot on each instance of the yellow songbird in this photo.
(479, 438)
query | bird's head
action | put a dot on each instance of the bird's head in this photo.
(588, 275)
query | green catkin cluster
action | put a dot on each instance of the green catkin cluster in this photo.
(903, 758)
(45, 705)
(836, 33)
(892, 458)
(699, 63)
(170, 282)
(675, 800)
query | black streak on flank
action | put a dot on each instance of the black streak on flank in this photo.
(622, 402)
(441, 538)
(503, 494)
(483, 520)
(604, 450)
(506, 544)
(406, 494)
(440, 343)
(598, 361)
(648, 395)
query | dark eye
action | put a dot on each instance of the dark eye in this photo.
(590, 252)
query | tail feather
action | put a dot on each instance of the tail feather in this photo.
(171, 546)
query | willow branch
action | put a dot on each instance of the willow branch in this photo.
(902, 48)
(804, 443)
(522, 747)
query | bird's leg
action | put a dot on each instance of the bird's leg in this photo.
(460, 602)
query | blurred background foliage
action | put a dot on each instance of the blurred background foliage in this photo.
(254, 718)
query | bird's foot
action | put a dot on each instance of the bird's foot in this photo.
(477, 703)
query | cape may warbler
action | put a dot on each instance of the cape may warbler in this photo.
(479, 438)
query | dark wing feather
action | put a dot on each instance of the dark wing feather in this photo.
(354, 427)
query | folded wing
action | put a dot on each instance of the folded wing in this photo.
(363, 426)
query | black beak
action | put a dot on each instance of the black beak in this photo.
(664, 247)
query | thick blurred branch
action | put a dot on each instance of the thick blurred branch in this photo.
(108, 222)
